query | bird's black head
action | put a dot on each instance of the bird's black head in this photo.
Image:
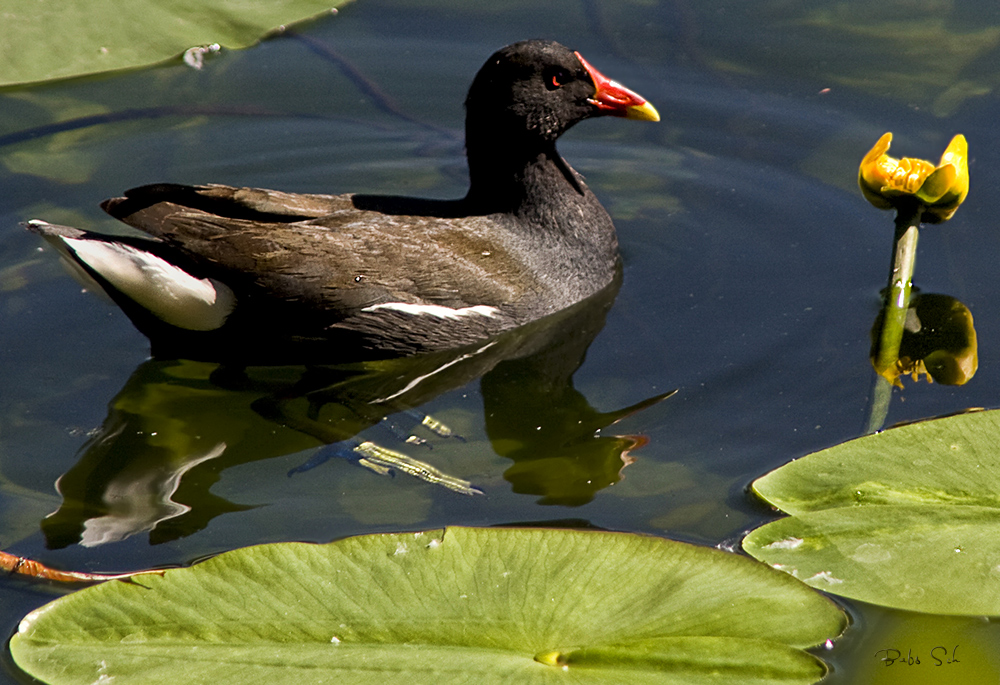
(536, 90)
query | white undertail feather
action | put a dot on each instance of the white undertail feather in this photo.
(167, 291)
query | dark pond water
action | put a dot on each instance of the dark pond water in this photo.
(752, 268)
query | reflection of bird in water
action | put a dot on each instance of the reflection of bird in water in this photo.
(250, 275)
(138, 474)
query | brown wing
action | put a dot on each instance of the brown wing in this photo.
(326, 251)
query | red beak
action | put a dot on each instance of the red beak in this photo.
(615, 99)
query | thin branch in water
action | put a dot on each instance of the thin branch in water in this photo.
(362, 82)
(139, 113)
(23, 566)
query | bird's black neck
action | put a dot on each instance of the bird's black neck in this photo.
(509, 176)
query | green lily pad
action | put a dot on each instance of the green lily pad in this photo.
(908, 518)
(454, 605)
(65, 38)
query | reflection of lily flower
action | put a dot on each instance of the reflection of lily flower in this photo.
(939, 341)
(941, 189)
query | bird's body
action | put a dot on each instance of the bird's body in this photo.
(253, 274)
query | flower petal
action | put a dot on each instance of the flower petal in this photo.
(876, 172)
(938, 184)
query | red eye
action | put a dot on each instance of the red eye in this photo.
(557, 79)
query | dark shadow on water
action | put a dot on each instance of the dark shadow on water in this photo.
(176, 425)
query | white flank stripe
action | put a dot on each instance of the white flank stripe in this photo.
(167, 291)
(435, 310)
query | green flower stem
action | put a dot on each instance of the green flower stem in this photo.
(897, 299)
(897, 302)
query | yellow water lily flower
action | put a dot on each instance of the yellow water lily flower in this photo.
(886, 181)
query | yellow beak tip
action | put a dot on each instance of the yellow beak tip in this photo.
(643, 112)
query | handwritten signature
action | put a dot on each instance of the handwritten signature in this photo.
(941, 656)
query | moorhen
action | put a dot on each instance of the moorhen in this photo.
(261, 276)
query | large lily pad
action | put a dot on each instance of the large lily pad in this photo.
(907, 518)
(64, 38)
(454, 605)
